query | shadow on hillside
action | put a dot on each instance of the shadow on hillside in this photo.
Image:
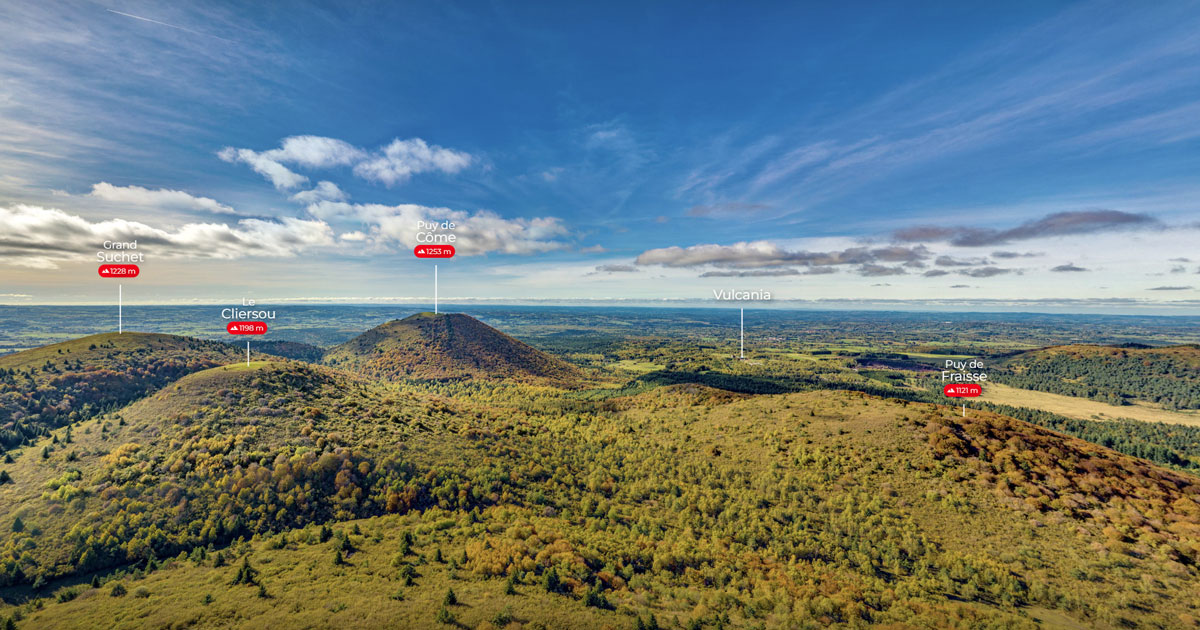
(728, 382)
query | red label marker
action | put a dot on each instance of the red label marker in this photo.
(119, 271)
(962, 391)
(246, 328)
(434, 251)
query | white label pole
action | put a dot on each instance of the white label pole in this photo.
(435, 291)
(120, 309)
(247, 353)
(742, 326)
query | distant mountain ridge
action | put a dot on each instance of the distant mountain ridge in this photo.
(446, 346)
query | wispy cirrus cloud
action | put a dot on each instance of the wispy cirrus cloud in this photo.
(84, 83)
(793, 162)
(1163, 127)
(988, 102)
(168, 25)
(725, 208)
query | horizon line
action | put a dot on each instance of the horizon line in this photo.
(1121, 307)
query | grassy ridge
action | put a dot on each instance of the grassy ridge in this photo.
(169, 472)
(74, 380)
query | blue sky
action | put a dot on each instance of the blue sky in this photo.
(616, 151)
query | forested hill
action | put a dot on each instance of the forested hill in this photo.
(447, 346)
(301, 495)
(296, 495)
(74, 380)
(1169, 376)
(158, 475)
(288, 349)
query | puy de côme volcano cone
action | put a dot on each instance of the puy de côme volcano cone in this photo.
(447, 346)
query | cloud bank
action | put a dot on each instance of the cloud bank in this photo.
(42, 238)
(477, 233)
(757, 254)
(1057, 224)
(157, 198)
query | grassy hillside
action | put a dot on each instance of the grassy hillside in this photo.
(187, 467)
(447, 346)
(75, 380)
(700, 508)
(1168, 376)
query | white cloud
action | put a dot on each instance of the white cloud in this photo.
(316, 152)
(279, 175)
(755, 253)
(393, 164)
(611, 135)
(42, 238)
(401, 159)
(159, 198)
(479, 233)
(324, 191)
